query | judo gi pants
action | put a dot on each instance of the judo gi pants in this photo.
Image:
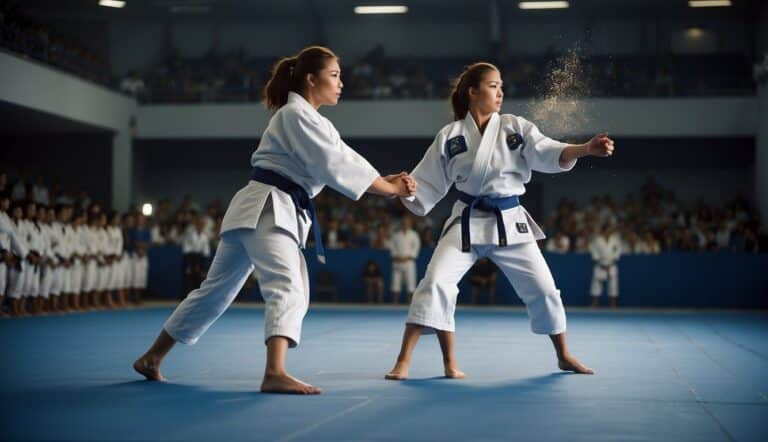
(32, 283)
(280, 268)
(47, 274)
(90, 276)
(434, 301)
(139, 271)
(16, 282)
(57, 283)
(404, 271)
(600, 275)
(76, 275)
(126, 269)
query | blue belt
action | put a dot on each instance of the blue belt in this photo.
(486, 204)
(300, 199)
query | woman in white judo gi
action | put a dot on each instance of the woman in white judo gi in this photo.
(605, 249)
(22, 263)
(12, 252)
(489, 157)
(116, 275)
(268, 220)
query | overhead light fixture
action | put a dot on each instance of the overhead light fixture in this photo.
(146, 209)
(543, 5)
(394, 9)
(694, 33)
(708, 3)
(112, 3)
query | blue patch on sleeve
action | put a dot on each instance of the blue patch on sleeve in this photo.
(455, 146)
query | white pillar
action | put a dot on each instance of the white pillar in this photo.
(122, 170)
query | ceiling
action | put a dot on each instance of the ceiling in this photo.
(422, 10)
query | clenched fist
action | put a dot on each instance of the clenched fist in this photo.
(600, 146)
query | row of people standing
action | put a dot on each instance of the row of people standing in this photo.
(58, 260)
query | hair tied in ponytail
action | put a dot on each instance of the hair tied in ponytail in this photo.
(289, 73)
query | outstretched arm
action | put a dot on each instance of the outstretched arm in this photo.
(600, 146)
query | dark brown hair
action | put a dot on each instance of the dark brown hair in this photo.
(288, 74)
(470, 77)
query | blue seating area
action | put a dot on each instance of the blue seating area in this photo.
(671, 279)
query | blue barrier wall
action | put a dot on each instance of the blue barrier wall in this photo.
(165, 271)
(726, 280)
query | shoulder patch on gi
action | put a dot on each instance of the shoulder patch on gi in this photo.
(522, 227)
(514, 141)
(455, 146)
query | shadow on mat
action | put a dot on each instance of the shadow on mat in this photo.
(144, 387)
(441, 384)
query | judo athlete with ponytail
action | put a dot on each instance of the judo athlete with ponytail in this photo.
(268, 220)
(489, 157)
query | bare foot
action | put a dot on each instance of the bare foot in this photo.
(399, 373)
(148, 368)
(453, 372)
(286, 384)
(569, 363)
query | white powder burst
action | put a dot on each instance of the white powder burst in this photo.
(561, 110)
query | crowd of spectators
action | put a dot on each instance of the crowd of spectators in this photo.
(62, 254)
(235, 77)
(27, 36)
(367, 223)
(655, 221)
(649, 222)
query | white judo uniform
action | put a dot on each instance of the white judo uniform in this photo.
(105, 250)
(18, 275)
(59, 251)
(139, 270)
(48, 271)
(117, 267)
(5, 247)
(263, 231)
(76, 238)
(126, 262)
(92, 246)
(70, 250)
(9, 242)
(36, 246)
(196, 242)
(496, 164)
(605, 253)
(404, 244)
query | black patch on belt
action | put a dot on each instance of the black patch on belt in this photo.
(522, 227)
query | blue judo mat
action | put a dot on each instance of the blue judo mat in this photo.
(671, 376)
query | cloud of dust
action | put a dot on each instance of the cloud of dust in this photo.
(560, 110)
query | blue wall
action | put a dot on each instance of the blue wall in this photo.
(666, 280)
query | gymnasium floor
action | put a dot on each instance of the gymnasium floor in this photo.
(664, 376)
